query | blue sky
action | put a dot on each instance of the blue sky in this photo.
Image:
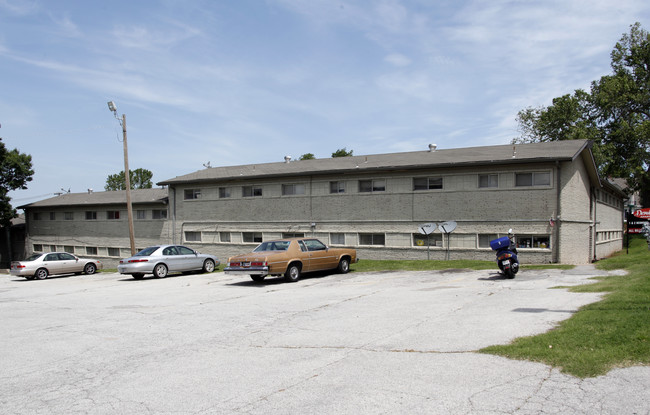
(249, 81)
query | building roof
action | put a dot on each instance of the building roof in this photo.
(102, 198)
(567, 150)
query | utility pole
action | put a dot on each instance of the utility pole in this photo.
(127, 179)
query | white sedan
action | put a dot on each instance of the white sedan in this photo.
(50, 263)
(163, 259)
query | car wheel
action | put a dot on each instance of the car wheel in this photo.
(293, 273)
(137, 276)
(208, 266)
(90, 269)
(41, 273)
(160, 271)
(257, 278)
(344, 266)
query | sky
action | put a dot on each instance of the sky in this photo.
(230, 82)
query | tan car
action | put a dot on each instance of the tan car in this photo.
(291, 258)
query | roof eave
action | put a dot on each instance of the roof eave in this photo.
(173, 182)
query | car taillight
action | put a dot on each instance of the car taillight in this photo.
(235, 264)
(259, 264)
(20, 266)
(131, 261)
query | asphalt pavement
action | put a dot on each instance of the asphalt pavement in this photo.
(359, 343)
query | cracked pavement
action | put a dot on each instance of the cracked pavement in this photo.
(376, 342)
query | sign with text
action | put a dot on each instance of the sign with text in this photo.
(642, 213)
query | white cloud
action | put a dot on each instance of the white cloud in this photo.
(65, 26)
(397, 59)
(20, 7)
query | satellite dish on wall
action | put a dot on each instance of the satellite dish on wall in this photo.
(447, 227)
(427, 228)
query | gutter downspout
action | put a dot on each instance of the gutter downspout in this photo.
(558, 220)
(595, 222)
(173, 215)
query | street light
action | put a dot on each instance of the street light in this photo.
(127, 180)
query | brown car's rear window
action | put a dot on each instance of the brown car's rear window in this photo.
(273, 246)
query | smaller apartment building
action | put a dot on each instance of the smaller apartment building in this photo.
(548, 193)
(95, 224)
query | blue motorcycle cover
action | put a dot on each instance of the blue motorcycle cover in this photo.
(501, 243)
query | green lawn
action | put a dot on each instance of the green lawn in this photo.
(611, 333)
(366, 265)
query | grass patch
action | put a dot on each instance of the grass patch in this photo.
(612, 333)
(367, 265)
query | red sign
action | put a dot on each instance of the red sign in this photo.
(634, 230)
(642, 213)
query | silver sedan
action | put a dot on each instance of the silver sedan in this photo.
(49, 263)
(163, 259)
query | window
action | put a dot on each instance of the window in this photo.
(190, 194)
(91, 215)
(183, 250)
(314, 245)
(372, 239)
(488, 180)
(52, 215)
(192, 236)
(36, 215)
(38, 248)
(141, 214)
(484, 239)
(432, 240)
(68, 215)
(69, 249)
(251, 191)
(533, 241)
(337, 187)
(113, 214)
(378, 185)
(51, 257)
(533, 179)
(114, 252)
(52, 248)
(159, 214)
(224, 236)
(224, 192)
(337, 238)
(287, 235)
(91, 250)
(427, 183)
(252, 237)
(293, 189)
(459, 240)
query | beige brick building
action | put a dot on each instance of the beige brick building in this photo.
(550, 194)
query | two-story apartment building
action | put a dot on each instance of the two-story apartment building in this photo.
(549, 194)
(95, 223)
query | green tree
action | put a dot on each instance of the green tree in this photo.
(342, 152)
(307, 156)
(139, 178)
(15, 172)
(615, 113)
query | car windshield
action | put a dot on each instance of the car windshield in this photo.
(147, 251)
(33, 257)
(273, 246)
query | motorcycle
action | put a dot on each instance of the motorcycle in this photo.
(506, 255)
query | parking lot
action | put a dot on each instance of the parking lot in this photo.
(380, 342)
